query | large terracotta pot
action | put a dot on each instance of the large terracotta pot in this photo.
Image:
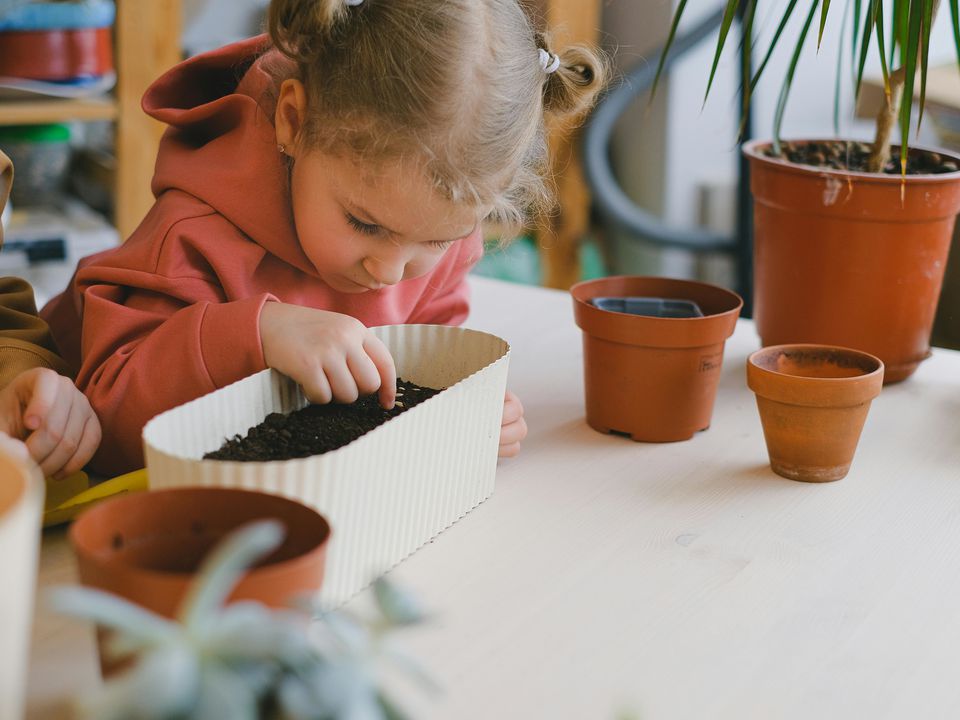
(21, 506)
(652, 378)
(813, 401)
(147, 546)
(849, 259)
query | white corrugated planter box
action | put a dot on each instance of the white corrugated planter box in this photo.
(21, 505)
(385, 494)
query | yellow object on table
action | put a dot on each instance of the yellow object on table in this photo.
(67, 498)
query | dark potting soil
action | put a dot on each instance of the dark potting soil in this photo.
(844, 155)
(317, 429)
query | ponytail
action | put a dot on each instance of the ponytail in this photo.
(296, 26)
(572, 88)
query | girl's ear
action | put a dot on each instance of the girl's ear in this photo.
(291, 114)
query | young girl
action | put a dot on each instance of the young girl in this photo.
(331, 178)
(42, 414)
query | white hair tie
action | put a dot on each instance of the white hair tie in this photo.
(353, 3)
(548, 61)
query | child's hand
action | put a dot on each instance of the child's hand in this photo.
(333, 356)
(513, 428)
(53, 418)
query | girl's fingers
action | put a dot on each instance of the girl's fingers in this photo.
(364, 372)
(58, 402)
(89, 442)
(342, 384)
(39, 391)
(512, 409)
(514, 432)
(69, 438)
(508, 451)
(316, 388)
(383, 361)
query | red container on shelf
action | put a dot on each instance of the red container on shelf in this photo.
(56, 54)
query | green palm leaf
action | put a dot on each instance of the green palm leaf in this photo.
(773, 43)
(898, 29)
(788, 81)
(955, 21)
(825, 8)
(857, 12)
(869, 22)
(910, 67)
(924, 57)
(839, 75)
(882, 48)
(746, 59)
(728, 16)
(666, 48)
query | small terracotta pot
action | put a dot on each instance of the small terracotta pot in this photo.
(147, 546)
(652, 378)
(848, 258)
(813, 401)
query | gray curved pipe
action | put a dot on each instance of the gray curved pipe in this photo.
(610, 200)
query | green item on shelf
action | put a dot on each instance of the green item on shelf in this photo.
(41, 160)
(35, 133)
(592, 265)
(519, 262)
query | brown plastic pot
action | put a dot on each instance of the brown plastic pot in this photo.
(813, 401)
(147, 546)
(850, 259)
(651, 378)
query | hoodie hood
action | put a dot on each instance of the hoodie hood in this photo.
(221, 145)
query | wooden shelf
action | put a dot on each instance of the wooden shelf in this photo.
(146, 44)
(27, 112)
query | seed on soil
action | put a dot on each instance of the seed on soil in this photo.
(316, 429)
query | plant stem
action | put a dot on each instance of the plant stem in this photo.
(886, 120)
(887, 117)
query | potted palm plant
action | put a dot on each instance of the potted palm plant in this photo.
(851, 238)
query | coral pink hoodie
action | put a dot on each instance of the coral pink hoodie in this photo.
(174, 312)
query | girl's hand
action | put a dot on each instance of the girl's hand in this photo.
(513, 428)
(53, 418)
(332, 356)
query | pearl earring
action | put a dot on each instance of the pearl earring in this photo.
(282, 148)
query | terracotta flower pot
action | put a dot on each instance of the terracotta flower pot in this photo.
(21, 506)
(813, 401)
(652, 378)
(147, 546)
(850, 259)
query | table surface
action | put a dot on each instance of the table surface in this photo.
(682, 580)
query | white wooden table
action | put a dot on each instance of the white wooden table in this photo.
(673, 581)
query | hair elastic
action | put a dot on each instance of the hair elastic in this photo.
(353, 3)
(548, 61)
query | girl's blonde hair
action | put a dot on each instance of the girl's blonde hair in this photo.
(457, 84)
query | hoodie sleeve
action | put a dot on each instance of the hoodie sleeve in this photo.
(447, 302)
(25, 340)
(153, 340)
